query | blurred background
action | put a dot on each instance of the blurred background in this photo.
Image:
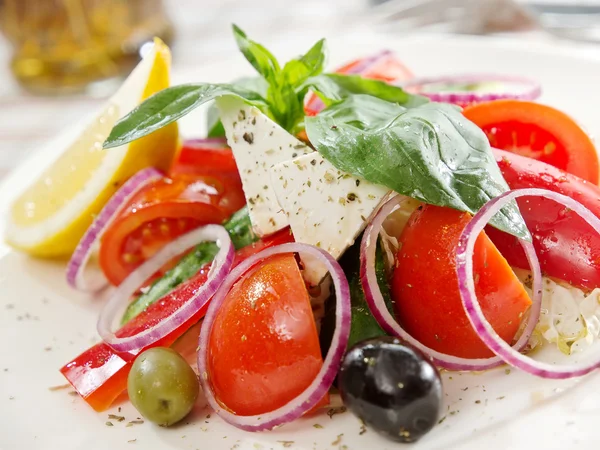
(60, 58)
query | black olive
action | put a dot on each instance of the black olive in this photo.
(392, 387)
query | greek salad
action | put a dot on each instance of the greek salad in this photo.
(351, 232)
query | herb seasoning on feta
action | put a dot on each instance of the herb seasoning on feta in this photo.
(258, 143)
(324, 206)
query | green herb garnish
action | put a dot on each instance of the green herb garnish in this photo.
(370, 129)
(430, 153)
(278, 91)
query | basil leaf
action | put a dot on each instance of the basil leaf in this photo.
(334, 87)
(285, 105)
(261, 59)
(297, 71)
(213, 123)
(169, 105)
(315, 58)
(254, 84)
(286, 94)
(430, 153)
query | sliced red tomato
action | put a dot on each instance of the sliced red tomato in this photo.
(263, 348)
(163, 211)
(567, 247)
(539, 132)
(425, 285)
(99, 374)
(386, 67)
(205, 157)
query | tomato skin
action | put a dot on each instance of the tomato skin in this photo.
(567, 247)
(263, 348)
(425, 285)
(205, 158)
(99, 375)
(539, 132)
(162, 211)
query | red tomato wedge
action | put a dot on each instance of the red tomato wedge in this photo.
(99, 374)
(425, 285)
(263, 349)
(162, 211)
(539, 132)
(567, 247)
(205, 157)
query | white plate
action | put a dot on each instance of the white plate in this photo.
(43, 324)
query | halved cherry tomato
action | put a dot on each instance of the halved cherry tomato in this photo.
(425, 285)
(263, 348)
(567, 247)
(163, 211)
(387, 68)
(99, 374)
(539, 132)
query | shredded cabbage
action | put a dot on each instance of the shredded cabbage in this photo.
(569, 318)
(392, 229)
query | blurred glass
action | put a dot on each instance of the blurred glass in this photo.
(66, 46)
(452, 16)
(571, 19)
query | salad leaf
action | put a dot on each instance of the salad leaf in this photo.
(334, 87)
(171, 104)
(261, 59)
(297, 71)
(285, 95)
(430, 153)
(213, 123)
(278, 92)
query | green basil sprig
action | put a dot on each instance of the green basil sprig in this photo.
(278, 91)
(430, 153)
(334, 87)
(169, 105)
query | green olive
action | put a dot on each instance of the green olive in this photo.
(162, 386)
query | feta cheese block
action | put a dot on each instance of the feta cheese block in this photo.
(258, 143)
(324, 206)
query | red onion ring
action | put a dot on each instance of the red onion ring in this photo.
(532, 92)
(218, 271)
(388, 323)
(464, 270)
(321, 384)
(86, 246)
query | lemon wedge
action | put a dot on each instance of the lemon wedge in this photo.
(51, 215)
